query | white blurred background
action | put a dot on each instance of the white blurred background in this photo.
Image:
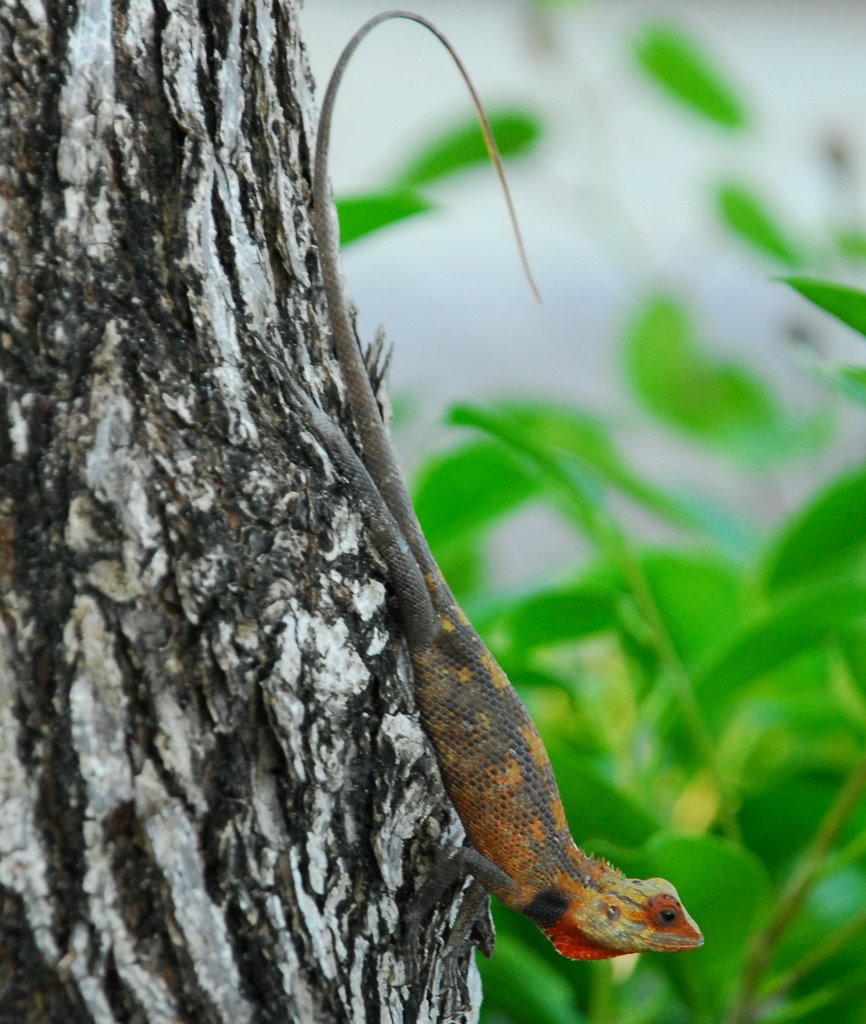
(615, 203)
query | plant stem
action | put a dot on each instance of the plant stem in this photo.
(850, 853)
(600, 996)
(610, 535)
(682, 684)
(802, 879)
(593, 517)
(823, 951)
(816, 1001)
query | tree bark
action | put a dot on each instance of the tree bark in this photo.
(217, 800)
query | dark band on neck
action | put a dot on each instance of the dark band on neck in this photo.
(547, 907)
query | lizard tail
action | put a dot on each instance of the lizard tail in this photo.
(378, 455)
(323, 138)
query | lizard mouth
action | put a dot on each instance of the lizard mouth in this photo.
(677, 943)
(577, 945)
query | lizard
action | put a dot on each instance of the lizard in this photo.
(493, 762)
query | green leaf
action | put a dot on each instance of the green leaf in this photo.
(726, 528)
(790, 720)
(725, 889)
(845, 303)
(682, 386)
(676, 63)
(698, 598)
(458, 494)
(747, 216)
(839, 1001)
(586, 439)
(779, 819)
(463, 563)
(849, 380)
(609, 815)
(362, 215)
(827, 536)
(852, 245)
(523, 986)
(786, 630)
(558, 615)
(852, 645)
(713, 401)
(516, 132)
(529, 681)
(578, 491)
(573, 453)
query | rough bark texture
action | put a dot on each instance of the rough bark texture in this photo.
(216, 797)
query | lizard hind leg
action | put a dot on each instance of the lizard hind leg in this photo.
(452, 866)
(472, 927)
(487, 877)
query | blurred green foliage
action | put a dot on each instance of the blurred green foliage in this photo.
(704, 705)
(746, 215)
(457, 148)
(703, 701)
(678, 65)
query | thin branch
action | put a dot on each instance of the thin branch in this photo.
(850, 853)
(815, 957)
(800, 884)
(601, 525)
(822, 997)
(680, 679)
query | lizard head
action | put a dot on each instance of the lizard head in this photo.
(624, 915)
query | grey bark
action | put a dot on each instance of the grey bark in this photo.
(216, 801)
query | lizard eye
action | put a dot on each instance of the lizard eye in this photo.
(666, 916)
(612, 913)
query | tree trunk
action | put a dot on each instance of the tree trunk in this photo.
(217, 800)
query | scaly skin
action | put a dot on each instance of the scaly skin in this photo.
(493, 762)
(498, 775)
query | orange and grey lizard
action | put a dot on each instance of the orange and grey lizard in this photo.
(492, 759)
